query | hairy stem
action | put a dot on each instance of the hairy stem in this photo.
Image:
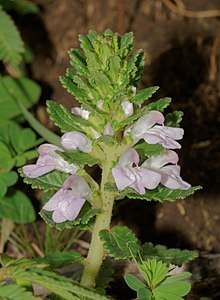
(96, 250)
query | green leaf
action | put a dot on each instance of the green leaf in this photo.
(78, 61)
(6, 159)
(144, 294)
(147, 150)
(64, 119)
(172, 291)
(100, 81)
(126, 44)
(120, 243)
(106, 139)
(15, 292)
(173, 119)
(144, 94)
(72, 88)
(7, 179)
(154, 271)
(133, 282)
(79, 158)
(169, 256)
(23, 90)
(51, 181)
(85, 43)
(176, 277)
(162, 194)
(114, 64)
(11, 44)
(22, 7)
(105, 274)
(160, 104)
(16, 206)
(61, 259)
(83, 221)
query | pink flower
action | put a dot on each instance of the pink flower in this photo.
(152, 172)
(74, 140)
(68, 201)
(80, 112)
(146, 128)
(108, 130)
(127, 108)
(137, 178)
(48, 161)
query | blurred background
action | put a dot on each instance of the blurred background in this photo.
(181, 41)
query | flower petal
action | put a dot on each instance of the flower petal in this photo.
(37, 170)
(127, 107)
(129, 157)
(58, 217)
(156, 162)
(72, 210)
(145, 123)
(171, 178)
(124, 177)
(75, 140)
(54, 202)
(80, 112)
(108, 130)
(78, 186)
(148, 178)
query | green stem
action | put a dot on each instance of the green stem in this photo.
(96, 250)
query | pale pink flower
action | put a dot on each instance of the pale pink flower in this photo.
(68, 201)
(108, 130)
(80, 112)
(48, 161)
(146, 128)
(127, 108)
(74, 140)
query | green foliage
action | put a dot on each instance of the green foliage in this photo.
(79, 158)
(11, 44)
(7, 179)
(160, 104)
(147, 150)
(22, 90)
(105, 274)
(173, 119)
(22, 7)
(30, 271)
(120, 243)
(16, 206)
(51, 181)
(144, 94)
(158, 283)
(173, 256)
(83, 221)
(60, 259)
(15, 292)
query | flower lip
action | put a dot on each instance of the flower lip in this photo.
(74, 140)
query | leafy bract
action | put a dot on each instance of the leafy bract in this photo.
(160, 104)
(51, 181)
(147, 150)
(83, 221)
(173, 119)
(17, 207)
(144, 94)
(120, 242)
(11, 44)
(15, 292)
(61, 259)
(169, 256)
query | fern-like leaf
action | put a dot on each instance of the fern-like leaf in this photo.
(11, 44)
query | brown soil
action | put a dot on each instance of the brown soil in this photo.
(178, 52)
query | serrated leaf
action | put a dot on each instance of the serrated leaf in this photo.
(126, 44)
(173, 119)
(144, 94)
(60, 259)
(160, 104)
(169, 256)
(16, 206)
(78, 61)
(85, 43)
(23, 90)
(172, 291)
(15, 292)
(147, 150)
(11, 44)
(120, 243)
(79, 158)
(162, 194)
(72, 88)
(133, 282)
(106, 139)
(83, 221)
(101, 82)
(63, 118)
(51, 181)
(114, 65)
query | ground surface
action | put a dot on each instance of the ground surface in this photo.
(182, 56)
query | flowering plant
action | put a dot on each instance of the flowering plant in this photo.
(133, 145)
